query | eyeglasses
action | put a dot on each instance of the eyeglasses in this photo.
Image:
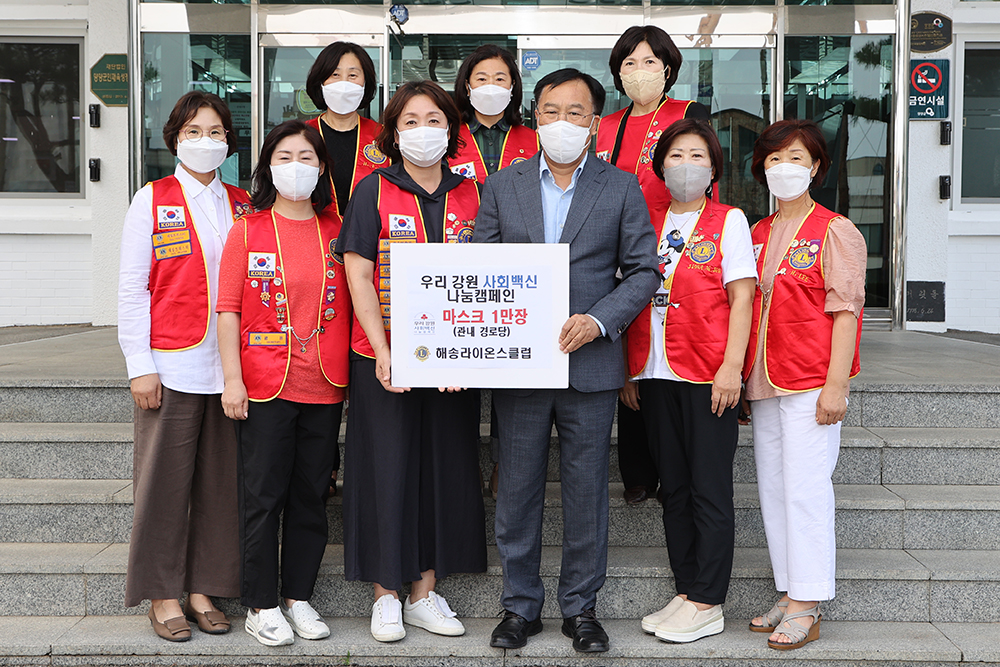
(574, 117)
(195, 133)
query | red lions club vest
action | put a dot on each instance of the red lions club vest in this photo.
(797, 330)
(519, 145)
(403, 222)
(264, 345)
(696, 327)
(670, 110)
(180, 306)
(369, 157)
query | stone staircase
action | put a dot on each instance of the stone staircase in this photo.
(918, 523)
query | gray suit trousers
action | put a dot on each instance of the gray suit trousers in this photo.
(583, 421)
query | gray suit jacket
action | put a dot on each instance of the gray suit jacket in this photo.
(607, 229)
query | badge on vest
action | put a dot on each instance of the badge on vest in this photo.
(261, 265)
(172, 250)
(372, 152)
(518, 160)
(265, 339)
(601, 155)
(702, 252)
(804, 254)
(402, 226)
(242, 209)
(166, 238)
(757, 247)
(467, 169)
(169, 217)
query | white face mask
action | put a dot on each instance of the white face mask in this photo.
(643, 87)
(343, 97)
(788, 181)
(686, 181)
(562, 141)
(294, 180)
(202, 155)
(490, 100)
(424, 146)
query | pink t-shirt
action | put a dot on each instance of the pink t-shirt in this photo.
(303, 267)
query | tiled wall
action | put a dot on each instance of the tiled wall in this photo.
(973, 289)
(45, 279)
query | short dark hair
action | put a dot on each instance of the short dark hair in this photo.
(327, 62)
(512, 114)
(386, 139)
(561, 76)
(659, 42)
(688, 126)
(186, 108)
(780, 135)
(264, 192)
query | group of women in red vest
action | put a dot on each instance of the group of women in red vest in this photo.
(264, 309)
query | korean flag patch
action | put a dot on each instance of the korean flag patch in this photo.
(170, 217)
(261, 265)
(402, 226)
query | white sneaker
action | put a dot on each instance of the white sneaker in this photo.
(305, 621)
(687, 624)
(269, 627)
(387, 625)
(434, 615)
(650, 622)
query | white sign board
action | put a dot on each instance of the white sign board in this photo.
(488, 315)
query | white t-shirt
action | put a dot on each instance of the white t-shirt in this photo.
(199, 369)
(737, 262)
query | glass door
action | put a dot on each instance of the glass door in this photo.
(285, 63)
(733, 83)
(844, 83)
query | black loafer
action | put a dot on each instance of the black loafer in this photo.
(513, 631)
(586, 632)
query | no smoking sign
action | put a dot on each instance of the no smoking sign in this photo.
(928, 89)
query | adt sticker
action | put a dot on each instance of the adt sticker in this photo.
(531, 61)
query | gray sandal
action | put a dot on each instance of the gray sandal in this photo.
(772, 618)
(798, 633)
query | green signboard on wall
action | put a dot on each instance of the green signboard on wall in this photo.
(109, 79)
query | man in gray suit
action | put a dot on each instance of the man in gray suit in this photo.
(563, 196)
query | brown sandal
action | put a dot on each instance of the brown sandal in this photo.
(771, 618)
(798, 633)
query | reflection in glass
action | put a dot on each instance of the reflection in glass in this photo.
(39, 117)
(284, 85)
(175, 63)
(436, 57)
(981, 127)
(845, 85)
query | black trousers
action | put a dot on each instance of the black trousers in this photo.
(635, 460)
(285, 457)
(693, 450)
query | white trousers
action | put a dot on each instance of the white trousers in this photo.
(795, 461)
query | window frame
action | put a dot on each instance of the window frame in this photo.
(82, 194)
(963, 43)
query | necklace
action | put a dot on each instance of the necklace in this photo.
(302, 341)
(766, 293)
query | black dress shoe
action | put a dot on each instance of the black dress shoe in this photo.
(513, 631)
(586, 632)
(636, 495)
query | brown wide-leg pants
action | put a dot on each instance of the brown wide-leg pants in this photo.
(185, 532)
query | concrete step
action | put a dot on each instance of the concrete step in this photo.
(128, 640)
(873, 404)
(78, 579)
(868, 516)
(40, 450)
